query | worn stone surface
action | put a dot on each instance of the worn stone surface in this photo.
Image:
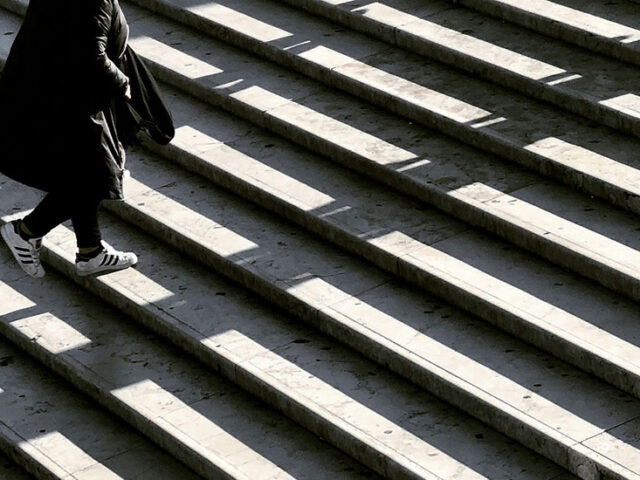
(155, 383)
(294, 358)
(581, 423)
(321, 284)
(399, 226)
(54, 428)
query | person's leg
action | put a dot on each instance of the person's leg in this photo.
(86, 226)
(54, 209)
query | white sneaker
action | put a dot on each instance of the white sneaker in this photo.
(108, 260)
(26, 252)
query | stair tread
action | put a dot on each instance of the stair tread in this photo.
(478, 110)
(50, 427)
(159, 385)
(247, 237)
(303, 364)
(603, 26)
(331, 196)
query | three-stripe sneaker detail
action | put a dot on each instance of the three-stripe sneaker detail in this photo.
(107, 260)
(26, 252)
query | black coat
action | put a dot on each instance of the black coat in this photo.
(147, 110)
(58, 88)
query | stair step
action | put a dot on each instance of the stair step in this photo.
(337, 205)
(481, 200)
(564, 75)
(381, 420)
(55, 432)
(475, 370)
(572, 150)
(568, 230)
(210, 424)
(580, 423)
(602, 26)
(311, 292)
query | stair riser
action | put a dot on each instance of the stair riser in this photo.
(486, 141)
(9, 446)
(554, 95)
(377, 349)
(553, 29)
(505, 320)
(103, 396)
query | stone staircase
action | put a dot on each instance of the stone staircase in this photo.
(395, 240)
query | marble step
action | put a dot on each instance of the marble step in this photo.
(51, 429)
(573, 150)
(567, 76)
(610, 28)
(580, 457)
(586, 426)
(385, 422)
(576, 233)
(200, 418)
(511, 290)
(594, 159)
(502, 291)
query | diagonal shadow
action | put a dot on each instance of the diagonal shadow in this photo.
(318, 357)
(294, 264)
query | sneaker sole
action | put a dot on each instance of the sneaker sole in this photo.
(114, 268)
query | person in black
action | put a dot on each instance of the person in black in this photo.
(58, 133)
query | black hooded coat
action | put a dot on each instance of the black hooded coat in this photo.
(57, 95)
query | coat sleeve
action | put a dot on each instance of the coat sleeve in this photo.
(93, 33)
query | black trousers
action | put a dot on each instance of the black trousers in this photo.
(56, 208)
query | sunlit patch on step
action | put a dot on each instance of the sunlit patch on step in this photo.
(576, 18)
(44, 328)
(51, 333)
(233, 162)
(249, 26)
(461, 42)
(411, 166)
(628, 104)
(198, 432)
(488, 122)
(173, 58)
(322, 126)
(70, 457)
(192, 225)
(563, 79)
(588, 162)
(394, 85)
